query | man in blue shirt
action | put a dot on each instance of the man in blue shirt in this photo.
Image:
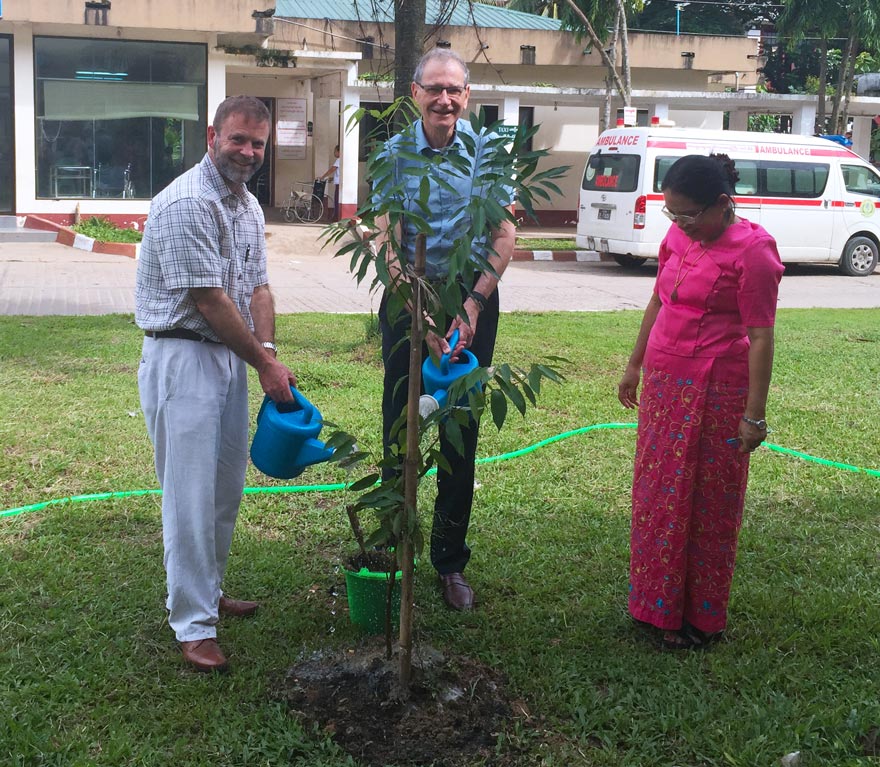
(440, 89)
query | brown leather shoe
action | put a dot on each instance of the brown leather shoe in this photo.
(204, 655)
(457, 593)
(237, 608)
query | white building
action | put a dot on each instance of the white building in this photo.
(103, 103)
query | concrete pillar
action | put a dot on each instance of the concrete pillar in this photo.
(739, 119)
(216, 79)
(861, 136)
(348, 168)
(803, 120)
(23, 118)
(510, 110)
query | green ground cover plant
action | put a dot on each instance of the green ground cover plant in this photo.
(546, 243)
(106, 231)
(90, 674)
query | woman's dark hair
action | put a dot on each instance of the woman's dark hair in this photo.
(702, 179)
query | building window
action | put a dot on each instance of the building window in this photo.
(365, 45)
(527, 54)
(115, 118)
(7, 131)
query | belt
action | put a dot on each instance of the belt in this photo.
(186, 335)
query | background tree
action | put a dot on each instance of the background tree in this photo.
(703, 18)
(855, 23)
(604, 24)
(822, 19)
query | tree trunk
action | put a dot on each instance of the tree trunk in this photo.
(847, 88)
(612, 55)
(411, 470)
(624, 51)
(848, 53)
(823, 86)
(409, 35)
(598, 45)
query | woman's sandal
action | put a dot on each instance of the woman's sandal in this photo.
(701, 638)
(679, 640)
(689, 637)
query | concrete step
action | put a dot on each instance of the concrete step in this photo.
(8, 222)
(20, 234)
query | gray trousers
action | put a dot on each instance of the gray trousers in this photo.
(194, 399)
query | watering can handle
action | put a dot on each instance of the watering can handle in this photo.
(444, 359)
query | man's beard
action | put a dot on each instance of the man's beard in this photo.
(231, 170)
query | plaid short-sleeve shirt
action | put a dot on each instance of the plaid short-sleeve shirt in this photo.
(199, 234)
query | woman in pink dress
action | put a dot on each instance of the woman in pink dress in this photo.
(705, 349)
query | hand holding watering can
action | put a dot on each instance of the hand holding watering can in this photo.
(437, 378)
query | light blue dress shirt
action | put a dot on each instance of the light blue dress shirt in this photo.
(453, 178)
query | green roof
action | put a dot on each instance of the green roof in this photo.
(457, 13)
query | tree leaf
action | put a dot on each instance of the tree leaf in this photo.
(498, 404)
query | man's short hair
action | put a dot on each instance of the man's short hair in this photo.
(440, 54)
(249, 106)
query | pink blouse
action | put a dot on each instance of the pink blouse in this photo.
(711, 294)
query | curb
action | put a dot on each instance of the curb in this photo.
(557, 255)
(66, 236)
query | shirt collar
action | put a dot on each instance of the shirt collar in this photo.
(423, 147)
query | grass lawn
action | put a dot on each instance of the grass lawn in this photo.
(90, 674)
(540, 243)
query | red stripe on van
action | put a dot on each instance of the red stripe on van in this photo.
(669, 144)
(789, 201)
(764, 150)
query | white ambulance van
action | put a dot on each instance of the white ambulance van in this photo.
(817, 198)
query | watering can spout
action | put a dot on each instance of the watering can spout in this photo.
(314, 451)
(286, 442)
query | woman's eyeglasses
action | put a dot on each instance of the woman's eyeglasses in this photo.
(682, 218)
(453, 91)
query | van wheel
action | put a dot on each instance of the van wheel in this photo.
(629, 262)
(859, 257)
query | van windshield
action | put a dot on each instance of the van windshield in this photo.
(611, 173)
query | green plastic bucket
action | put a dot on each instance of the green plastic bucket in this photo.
(367, 592)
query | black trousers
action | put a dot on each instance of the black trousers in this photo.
(455, 490)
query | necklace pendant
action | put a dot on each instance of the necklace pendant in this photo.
(674, 295)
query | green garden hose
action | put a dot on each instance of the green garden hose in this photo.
(490, 459)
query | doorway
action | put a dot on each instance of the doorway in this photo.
(7, 128)
(261, 185)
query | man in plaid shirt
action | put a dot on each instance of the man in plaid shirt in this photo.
(203, 300)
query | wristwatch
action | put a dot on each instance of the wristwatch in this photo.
(758, 423)
(479, 299)
(269, 345)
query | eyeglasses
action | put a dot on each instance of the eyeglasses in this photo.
(453, 91)
(682, 218)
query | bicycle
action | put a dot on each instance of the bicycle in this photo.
(306, 203)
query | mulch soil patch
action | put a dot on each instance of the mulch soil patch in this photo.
(452, 717)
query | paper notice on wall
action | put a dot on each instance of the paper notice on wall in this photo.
(291, 129)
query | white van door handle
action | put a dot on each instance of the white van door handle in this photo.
(605, 205)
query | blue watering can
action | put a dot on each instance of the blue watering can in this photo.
(436, 379)
(286, 440)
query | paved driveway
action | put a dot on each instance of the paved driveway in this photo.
(54, 279)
